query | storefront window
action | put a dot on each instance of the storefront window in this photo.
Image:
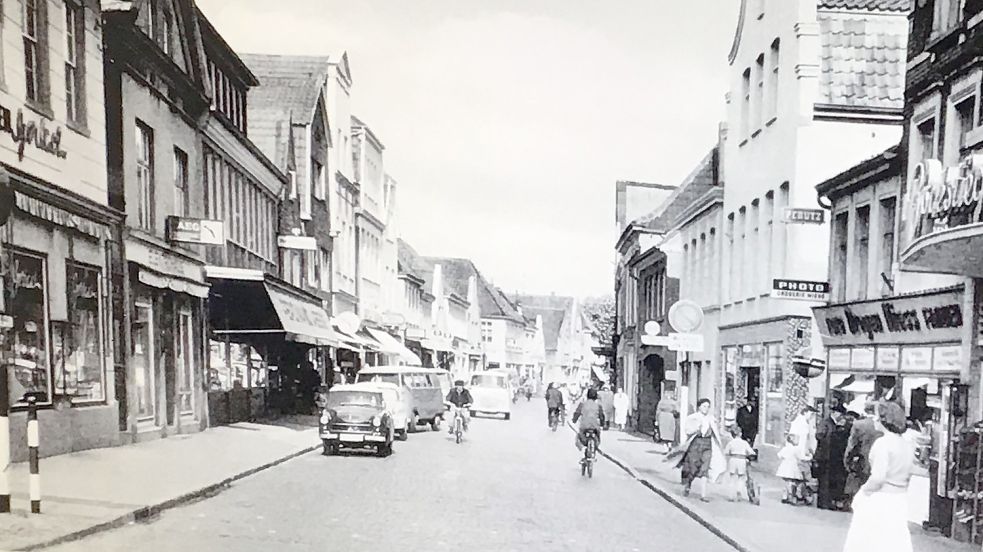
(776, 377)
(258, 367)
(239, 357)
(730, 373)
(185, 362)
(25, 297)
(218, 371)
(144, 361)
(77, 349)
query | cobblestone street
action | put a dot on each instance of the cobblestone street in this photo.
(510, 486)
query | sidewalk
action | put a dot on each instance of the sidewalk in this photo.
(770, 527)
(90, 491)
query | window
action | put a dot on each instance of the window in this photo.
(145, 176)
(963, 124)
(759, 102)
(75, 62)
(293, 183)
(926, 140)
(767, 244)
(862, 239)
(35, 30)
(776, 378)
(26, 298)
(317, 179)
(746, 104)
(152, 16)
(947, 16)
(741, 264)
(888, 214)
(325, 261)
(167, 33)
(731, 258)
(144, 360)
(840, 241)
(754, 268)
(185, 363)
(486, 332)
(77, 346)
(313, 266)
(181, 199)
(772, 93)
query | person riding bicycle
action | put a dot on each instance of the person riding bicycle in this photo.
(461, 399)
(591, 416)
(554, 403)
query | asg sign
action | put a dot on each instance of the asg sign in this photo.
(942, 197)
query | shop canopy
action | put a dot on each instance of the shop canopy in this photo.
(390, 345)
(355, 341)
(436, 345)
(259, 307)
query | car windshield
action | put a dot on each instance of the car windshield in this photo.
(488, 381)
(379, 378)
(354, 398)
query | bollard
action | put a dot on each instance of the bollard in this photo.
(33, 442)
(4, 440)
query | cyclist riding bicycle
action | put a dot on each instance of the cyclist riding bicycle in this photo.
(460, 399)
(591, 416)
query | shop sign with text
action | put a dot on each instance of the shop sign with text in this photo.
(198, 231)
(935, 317)
(803, 290)
(944, 197)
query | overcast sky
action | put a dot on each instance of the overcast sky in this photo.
(507, 122)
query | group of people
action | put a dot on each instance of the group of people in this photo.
(596, 412)
(863, 466)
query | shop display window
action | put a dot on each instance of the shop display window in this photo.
(776, 375)
(218, 372)
(77, 343)
(234, 365)
(26, 301)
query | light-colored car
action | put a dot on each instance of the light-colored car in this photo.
(492, 393)
(398, 404)
(419, 384)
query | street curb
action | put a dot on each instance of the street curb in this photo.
(147, 512)
(697, 514)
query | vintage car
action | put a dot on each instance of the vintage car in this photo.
(421, 385)
(356, 417)
(398, 403)
(492, 393)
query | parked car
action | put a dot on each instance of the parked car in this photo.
(356, 418)
(421, 385)
(492, 393)
(398, 404)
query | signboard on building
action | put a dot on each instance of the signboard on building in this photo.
(932, 317)
(691, 342)
(941, 198)
(197, 231)
(305, 243)
(802, 290)
(794, 215)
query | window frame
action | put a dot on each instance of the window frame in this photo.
(100, 332)
(146, 200)
(75, 70)
(182, 197)
(36, 75)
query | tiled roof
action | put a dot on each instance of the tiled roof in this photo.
(867, 5)
(289, 89)
(699, 182)
(552, 308)
(863, 59)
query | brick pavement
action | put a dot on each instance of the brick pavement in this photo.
(769, 527)
(103, 488)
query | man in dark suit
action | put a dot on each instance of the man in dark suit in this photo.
(862, 437)
(747, 420)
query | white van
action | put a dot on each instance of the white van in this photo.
(492, 393)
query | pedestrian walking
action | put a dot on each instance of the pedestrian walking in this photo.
(747, 420)
(790, 470)
(828, 466)
(703, 458)
(738, 453)
(606, 397)
(880, 509)
(666, 416)
(621, 406)
(862, 436)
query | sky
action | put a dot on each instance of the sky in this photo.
(507, 122)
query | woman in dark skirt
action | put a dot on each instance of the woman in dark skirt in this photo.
(704, 458)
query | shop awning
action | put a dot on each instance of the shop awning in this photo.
(390, 345)
(302, 321)
(599, 373)
(179, 285)
(353, 341)
(436, 345)
(257, 308)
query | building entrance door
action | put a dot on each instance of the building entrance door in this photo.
(145, 364)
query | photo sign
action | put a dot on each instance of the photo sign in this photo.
(802, 290)
(935, 317)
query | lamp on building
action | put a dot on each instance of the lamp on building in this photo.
(808, 367)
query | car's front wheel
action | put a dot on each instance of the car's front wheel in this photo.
(329, 449)
(403, 434)
(435, 423)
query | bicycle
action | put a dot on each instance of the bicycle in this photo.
(459, 423)
(554, 418)
(590, 454)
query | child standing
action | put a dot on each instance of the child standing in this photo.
(738, 453)
(790, 469)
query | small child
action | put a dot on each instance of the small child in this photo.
(738, 453)
(790, 469)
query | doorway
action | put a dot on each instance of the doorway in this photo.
(145, 364)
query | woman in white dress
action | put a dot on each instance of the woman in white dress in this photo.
(621, 405)
(880, 509)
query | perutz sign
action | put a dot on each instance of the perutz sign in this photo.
(802, 290)
(804, 216)
(935, 317)
(198, 231)
(941, 198)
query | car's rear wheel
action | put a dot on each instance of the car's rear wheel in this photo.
(415, 423)
(435, 423)
(403, 434)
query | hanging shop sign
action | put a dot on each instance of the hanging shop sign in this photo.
(163, 261)
(802, 290)
(35, 133)
(804, 216)
(304, 243)
(935, 317)
(197, 231)
(55, 215)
